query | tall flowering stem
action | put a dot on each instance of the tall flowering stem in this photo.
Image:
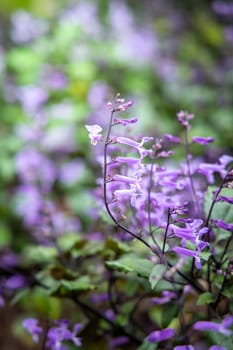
(115, 107)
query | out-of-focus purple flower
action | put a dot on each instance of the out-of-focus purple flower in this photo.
(2, 301)
(172, 138)
(217, 347)
(158, 336)
(184, 347)
(32, 165)
(208, 169)
(94, 133)
(32, 98)
(15, 282)
(71, 172)
(165, 298)
(202, 140)
(116, 342)
(184, 118)
(222, 224)
(32, 27)
(57, 334)
(29, 204)
(97, 94)
(216, 327)
(225, 199)
(165, 154)
(31, 325)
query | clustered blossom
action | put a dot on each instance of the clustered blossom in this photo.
(56, 334)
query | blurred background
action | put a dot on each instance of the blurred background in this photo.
(61, 61)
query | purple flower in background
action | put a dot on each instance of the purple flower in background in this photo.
(184, 347)
(171, 138)
(31, 325)
(216, 327)
(71, 172)
(217, 347)
(94, 133)
(222, 224)
(32, 98)
(158, 336)
(202, 140)
(15, 282)
(57, 334)
(165, 298)
(184, 118)
(125, 122)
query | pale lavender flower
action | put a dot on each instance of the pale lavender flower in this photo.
(125, 122)
(216, 327)
(217, 347)
(184, 118)
(188, 253)
(202, 140)
(31, 325)
(127, 160)
(32, 98)
(94, 133)
(158, 336)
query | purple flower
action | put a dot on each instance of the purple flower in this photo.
(202, 140)
(94, 133)
(216, 327)
(187, 252)
(58, 334)
(165, 298)
(225, 199)
(184, 347)
(15, 282)
(217, 347)
(222, 224)
(158, 336)
(184, 118)
(171, 138)
(125, 122)
(31, 325)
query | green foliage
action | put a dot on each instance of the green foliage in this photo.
(131, 263)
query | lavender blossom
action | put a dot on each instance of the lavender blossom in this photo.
(158, 336)
(184, 347)
(60, 333)
(31, 325)
(216, 327)
(94, 133)
(222, 224)
(202, 140)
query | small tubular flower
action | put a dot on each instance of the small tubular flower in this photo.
(94, 133)
(31, 325)
(158, 336)
(202, 140)
(216, 327)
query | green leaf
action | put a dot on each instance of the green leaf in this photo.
(220, 339)
(132, 263)
(205, 298)
(40, 254)
(117, 246)
(147, 346)
(156, 274)
(64, 288)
